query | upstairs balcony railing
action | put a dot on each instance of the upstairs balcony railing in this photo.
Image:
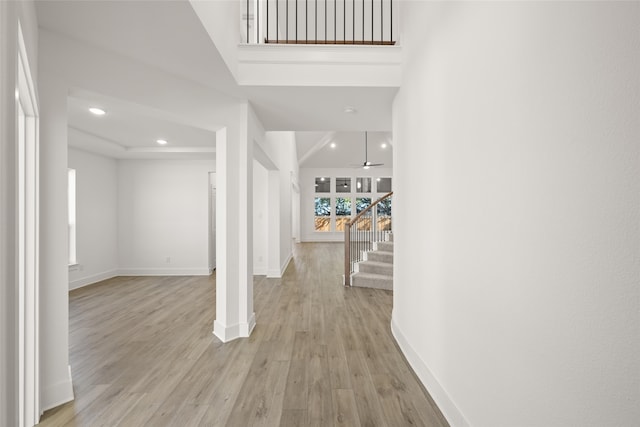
(336, 22)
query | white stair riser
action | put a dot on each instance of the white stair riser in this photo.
(376, 268)
(379, 256)
(383, 246)
(366, 281)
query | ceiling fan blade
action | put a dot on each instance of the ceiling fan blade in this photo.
(368, 165)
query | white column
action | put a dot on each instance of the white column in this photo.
(234, 232)
(245, 227)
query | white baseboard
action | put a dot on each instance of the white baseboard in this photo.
(275, 274)
(57, 394)
(225, 333)
(247, 328)
(163, 272)
(94, 278)
(285, 264)
(260, 271)
(437, 392)
(232, 332)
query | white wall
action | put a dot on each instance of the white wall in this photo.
(260, 218)
(516, 285)
(96, 218)
(308, 194)
(163, 216)
(281, 146)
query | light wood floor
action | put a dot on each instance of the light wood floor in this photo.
(143, 354)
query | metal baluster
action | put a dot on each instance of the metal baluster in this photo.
(353, 16)
(351, 253)
(353, 250)
(374, 217)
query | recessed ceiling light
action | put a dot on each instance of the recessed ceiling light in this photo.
(162, 141)
(97, 111)
(349, 110)
(322, 179)
(333, 145)
(384, 145)
(378, 179)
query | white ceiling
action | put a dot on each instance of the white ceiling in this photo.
(131, 131)
(305, 141)
(322, 108)
(164, 34)
(168, 36)
(315, 151)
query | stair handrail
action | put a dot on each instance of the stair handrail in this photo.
(351, 256)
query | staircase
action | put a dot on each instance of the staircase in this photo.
(376, 271)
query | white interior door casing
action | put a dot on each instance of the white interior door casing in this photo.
(27, 243)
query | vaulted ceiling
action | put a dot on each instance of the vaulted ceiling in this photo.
(167, 35)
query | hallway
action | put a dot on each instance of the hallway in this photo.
(142, 353)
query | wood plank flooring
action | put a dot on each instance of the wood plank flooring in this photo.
(143, 354)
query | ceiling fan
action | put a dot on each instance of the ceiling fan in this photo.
(367, 164)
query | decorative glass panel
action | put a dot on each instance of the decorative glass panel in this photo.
(384, 185)
(363, 185)
(322, 216)
(323, 185)
(343, 212)
(343, 185)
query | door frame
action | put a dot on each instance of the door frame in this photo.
(27, 244)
